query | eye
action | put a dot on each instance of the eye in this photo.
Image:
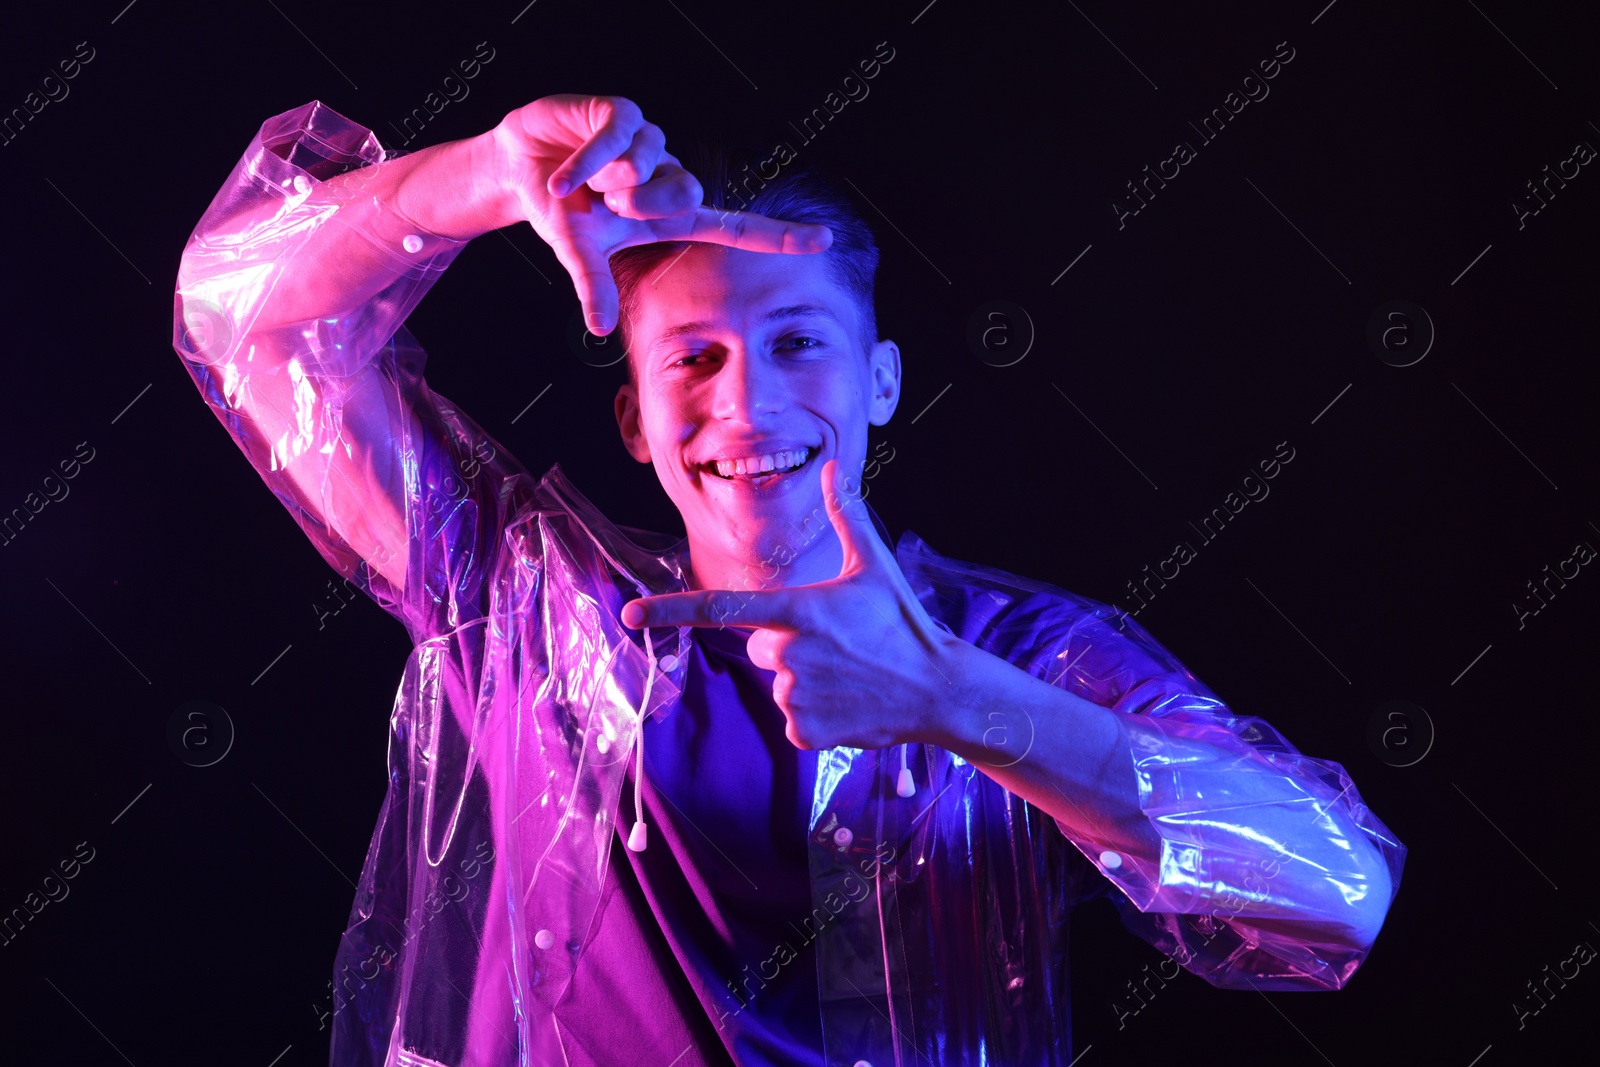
(804, 341)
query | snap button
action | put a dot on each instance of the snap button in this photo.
(669, 663)
(301, 184)
(1111, 860)
(862, 1063)
(842, 837)
(412, 243)
(602, 744)
(544, 939)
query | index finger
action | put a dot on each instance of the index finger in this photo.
(712, 607)
(743, 229)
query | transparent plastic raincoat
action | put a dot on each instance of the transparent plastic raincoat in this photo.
(946, 925)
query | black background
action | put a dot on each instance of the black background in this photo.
(1229, 315)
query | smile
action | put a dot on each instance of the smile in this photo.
(760, 470)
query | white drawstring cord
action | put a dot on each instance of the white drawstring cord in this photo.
(638, 836)
(907, 785)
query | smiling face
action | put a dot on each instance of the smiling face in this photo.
(750, 374)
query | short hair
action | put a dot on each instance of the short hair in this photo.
(733, 181)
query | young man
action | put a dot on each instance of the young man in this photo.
(875, 780)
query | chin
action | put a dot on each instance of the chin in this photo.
(764, 540)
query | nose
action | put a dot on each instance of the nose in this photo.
(747, 387)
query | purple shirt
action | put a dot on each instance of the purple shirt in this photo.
(723, 883)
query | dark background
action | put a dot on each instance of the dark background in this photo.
(1228, 316)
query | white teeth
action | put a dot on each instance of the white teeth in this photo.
(755, 465)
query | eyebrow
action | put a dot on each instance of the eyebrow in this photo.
(792, 311)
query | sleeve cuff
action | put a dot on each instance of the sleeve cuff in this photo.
(296, 152)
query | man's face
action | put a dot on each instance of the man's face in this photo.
(750, 375)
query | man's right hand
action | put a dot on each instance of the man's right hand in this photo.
(593, 177)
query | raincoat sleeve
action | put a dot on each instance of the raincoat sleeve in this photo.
(290, 301)
(1271, 874)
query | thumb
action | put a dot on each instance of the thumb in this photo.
(848, 513)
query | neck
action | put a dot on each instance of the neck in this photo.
(800, 558)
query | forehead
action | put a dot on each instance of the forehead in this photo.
(713, 288)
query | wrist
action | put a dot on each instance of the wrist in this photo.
(998, 713)
(496, 197)
(966, 672)
(454, 189)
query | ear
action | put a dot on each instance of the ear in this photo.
(884, 369)
(626, 407)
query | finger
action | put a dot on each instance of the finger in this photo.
(850, 518)
(636, 165)
(765, 648)
(672, 191)
(792, 732)
(714, 607)
(590, 271)
(620, 119)
(783, 692)
(742, 229)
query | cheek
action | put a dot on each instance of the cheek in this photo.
(666, 428)
(843, 405)
(838, 398)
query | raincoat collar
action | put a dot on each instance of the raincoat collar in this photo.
(653, 563)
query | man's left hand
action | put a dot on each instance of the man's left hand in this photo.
(859, 662)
